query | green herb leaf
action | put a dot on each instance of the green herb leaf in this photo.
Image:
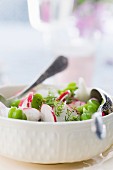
(58, 107)
(70, 117)
(71, 86)
(50, 99)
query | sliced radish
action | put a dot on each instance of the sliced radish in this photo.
(22, 101)
(63, 95)
(30, 97)
(32, 114)
(63, 115)
(48, 114)
(55, 120)
(26, 102)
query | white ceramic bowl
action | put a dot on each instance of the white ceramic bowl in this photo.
(49, 142)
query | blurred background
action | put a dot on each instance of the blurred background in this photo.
(33, 32)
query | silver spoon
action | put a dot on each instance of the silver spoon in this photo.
(58, 65)
(106, 106)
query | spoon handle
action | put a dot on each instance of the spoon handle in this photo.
(58, 65)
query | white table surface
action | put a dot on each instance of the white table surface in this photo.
(6, 163)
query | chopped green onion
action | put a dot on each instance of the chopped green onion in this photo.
(58, 107)
(50, 99)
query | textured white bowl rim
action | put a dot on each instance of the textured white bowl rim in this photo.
(27, 122)
(82, 123)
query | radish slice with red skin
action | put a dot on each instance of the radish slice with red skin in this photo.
(26, 102)
(48, 114)
(55, 120)
(30, 97)
(22, 102)
(63, 95)
(32, 114)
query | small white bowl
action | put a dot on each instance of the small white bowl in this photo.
(50, 142)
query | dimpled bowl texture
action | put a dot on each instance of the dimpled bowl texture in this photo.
(50, 142)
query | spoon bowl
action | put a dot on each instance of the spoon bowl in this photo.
(106, 107)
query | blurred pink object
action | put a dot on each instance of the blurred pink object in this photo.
(78, 67)
(89, 18)
(45, 11)
(81, 62)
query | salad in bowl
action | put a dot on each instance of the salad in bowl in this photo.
(72, 103)
(52, 124)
